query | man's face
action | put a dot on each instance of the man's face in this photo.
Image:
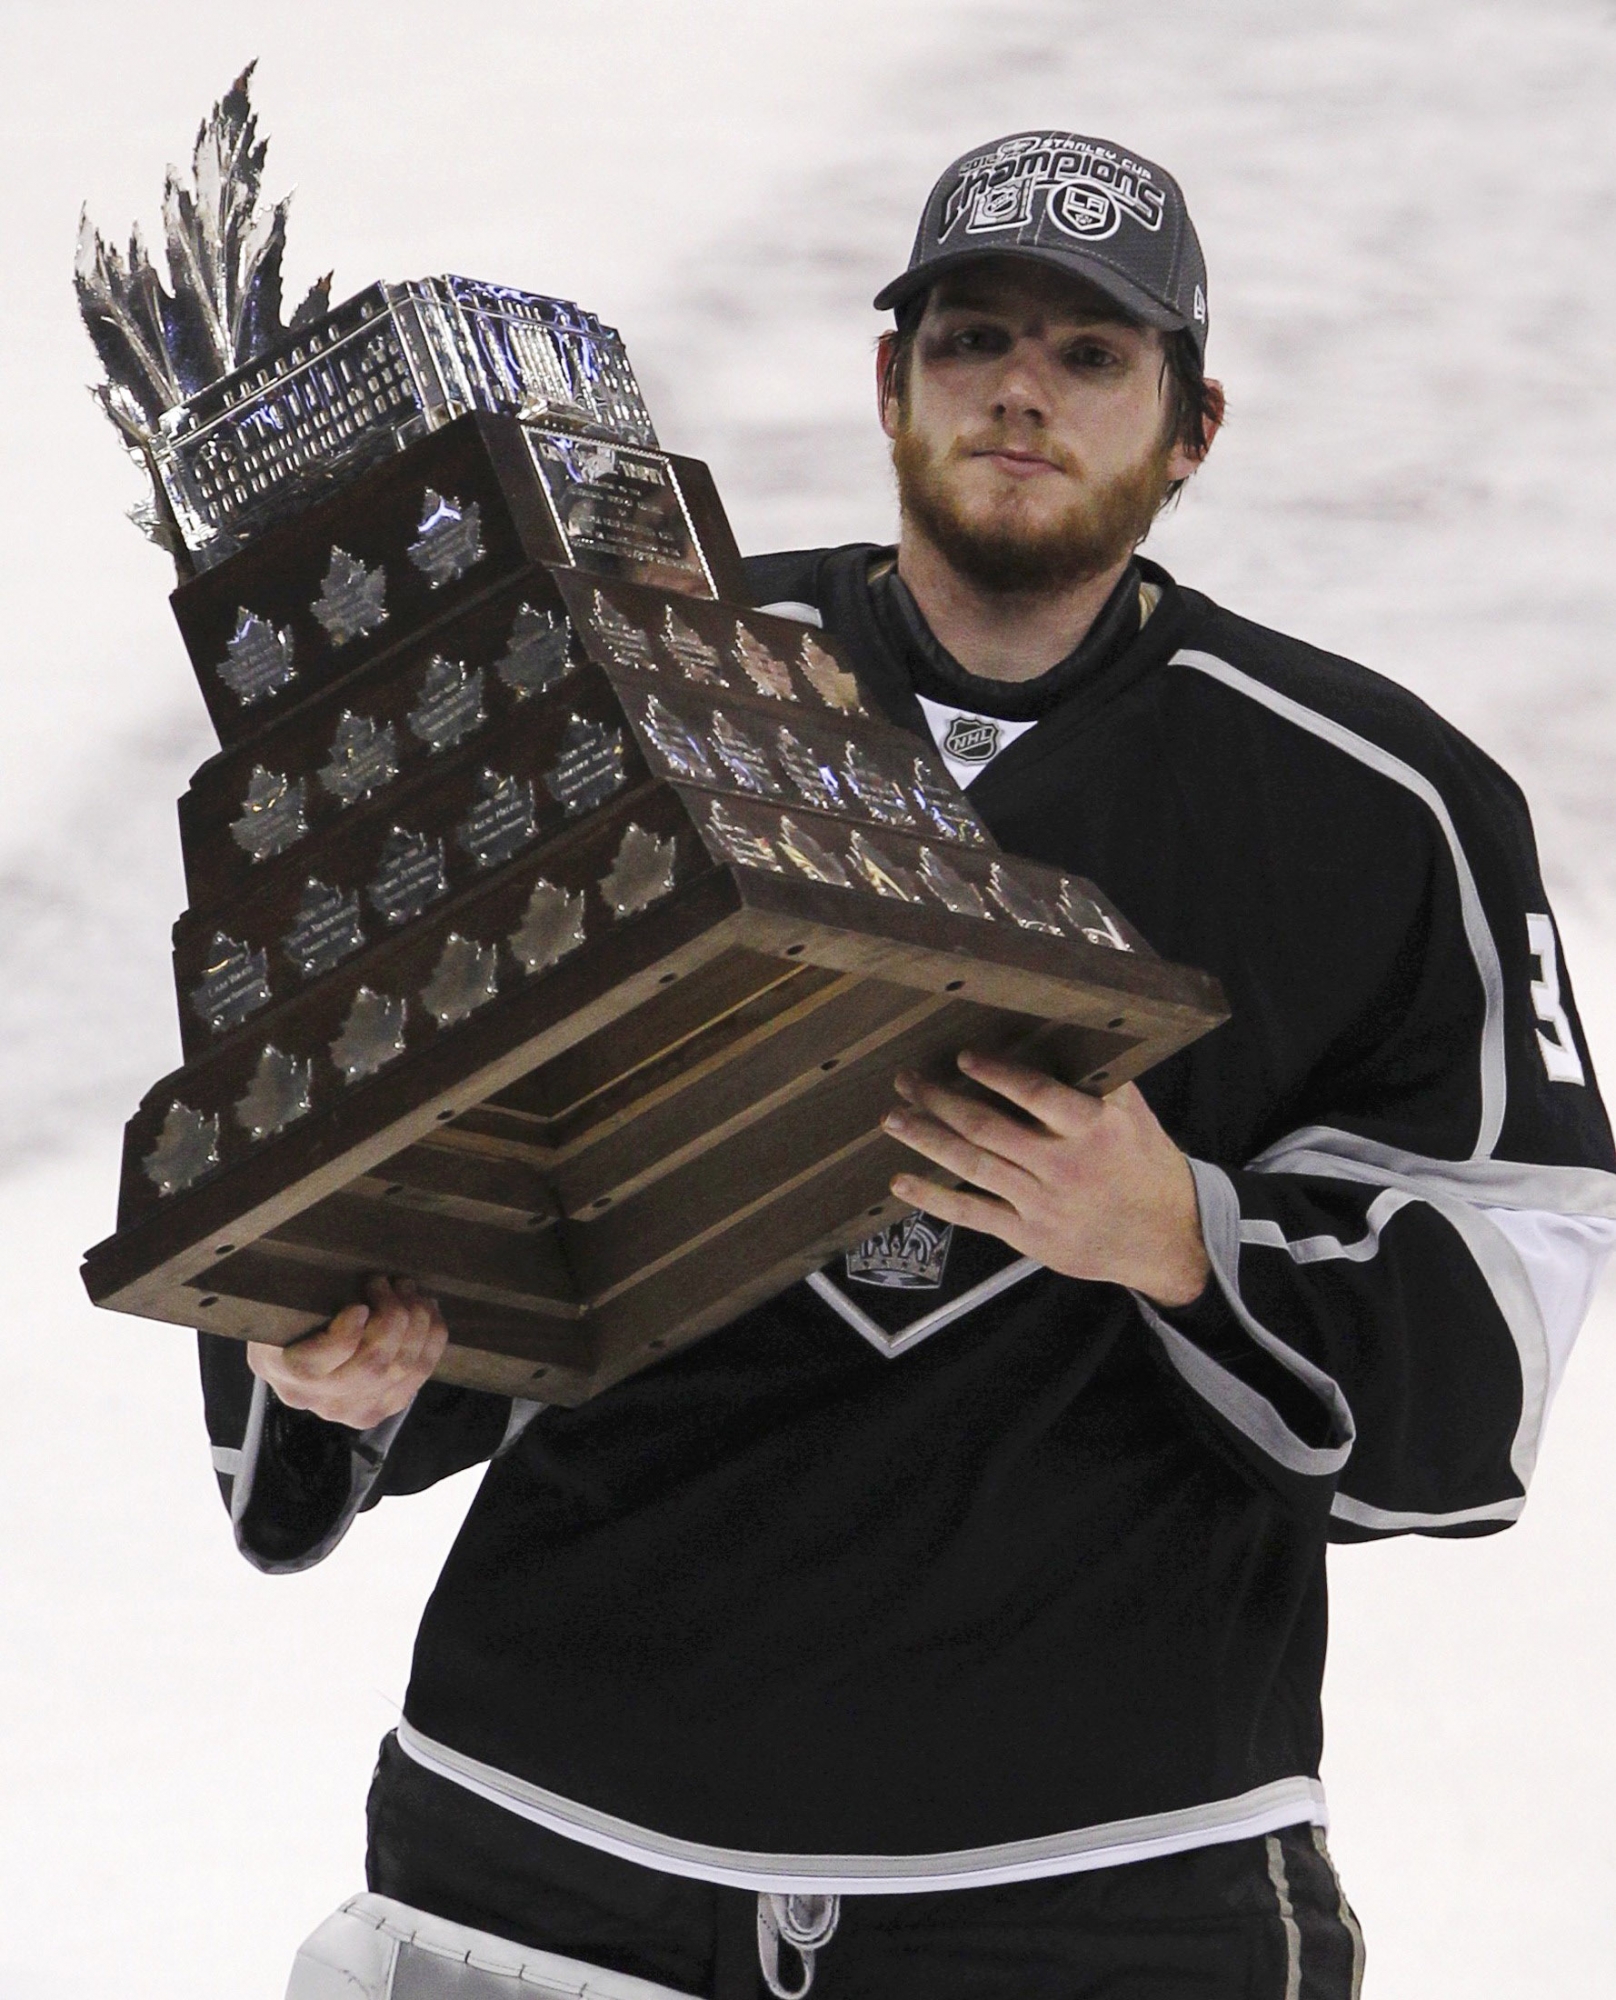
(1033, 441)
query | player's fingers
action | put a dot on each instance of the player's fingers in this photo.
(318, 1355)
(959, 1205)
(995, 1131)
(1056, 1106)
(944, 1147)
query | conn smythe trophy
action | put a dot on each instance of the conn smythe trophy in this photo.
(557, 919)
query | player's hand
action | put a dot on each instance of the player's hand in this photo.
(1089, 1186)
(366, 1365)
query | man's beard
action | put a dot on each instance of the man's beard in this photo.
(996, 547)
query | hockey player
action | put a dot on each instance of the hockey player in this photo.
(954, 1624)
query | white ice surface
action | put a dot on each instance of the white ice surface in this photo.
(1407, 211)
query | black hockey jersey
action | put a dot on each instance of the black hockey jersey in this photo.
(1038, 1584)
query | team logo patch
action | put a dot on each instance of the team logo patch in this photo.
(973, 739)
(909, 1255)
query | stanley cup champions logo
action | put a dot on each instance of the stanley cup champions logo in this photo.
(1086, 189)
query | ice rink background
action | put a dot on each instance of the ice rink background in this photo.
(1407, 214)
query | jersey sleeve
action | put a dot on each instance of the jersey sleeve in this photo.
(293, 1483)
(1397, 1282)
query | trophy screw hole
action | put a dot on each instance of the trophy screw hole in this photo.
(832, 1064)
(795, 950)
(657, 1346)
(667, 979)
(444, 1117)
(605, 1201)
(212, 1299)
(953, 985)
(393, 1187)
(538, 1374)
(876, 1210)
(1121, 1021)
(223, 1249)
(1100, 1076)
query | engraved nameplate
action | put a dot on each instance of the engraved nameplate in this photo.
(450, 539)
(501, 823)
(590, 767)
(451, 704)
(834, 685)
(538, 655)
(1089, 920)
(364, 757)
(234, 984)
(352, 600)
(328, 930)
(746, 761)
(258, 660)
(882, 874)
(629, 644)
(619, 511)
(411, 876)
(272, 817)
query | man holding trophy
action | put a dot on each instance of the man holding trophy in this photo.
(951, 1621)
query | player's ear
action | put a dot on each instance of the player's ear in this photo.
(886, 395)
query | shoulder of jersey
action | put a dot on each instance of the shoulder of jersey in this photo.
(1278, 682)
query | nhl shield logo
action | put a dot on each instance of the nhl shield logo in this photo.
(909, 1255)
(972, 739)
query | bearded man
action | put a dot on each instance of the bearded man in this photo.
(953, 1625)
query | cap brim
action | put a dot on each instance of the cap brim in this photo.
(1138, 304)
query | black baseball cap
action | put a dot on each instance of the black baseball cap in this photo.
(1083, 205)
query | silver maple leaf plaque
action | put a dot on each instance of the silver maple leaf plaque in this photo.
(629, 644)
(186, 1149)
(272, 815)
(372, 1035)
(364, 757)
(880, 871)
(816, 781)
(950, 888)
(411, 876)
(466, 978)
(234, 984)
(279, 1094)
(944, 804)
(538, 655)
(834, 685)
(746, 761)
(352, 599)
(449, 541)
(680, 746)
(805, 853)
(767, 672)
(551, 926)
(641, 873)
(590, 767)
(327, 930)
(739, 843)
(258, 659)
(1089, 920)
(700, 661)
(1020, 904)
(502, 821)
(450, 705)
(881, 797)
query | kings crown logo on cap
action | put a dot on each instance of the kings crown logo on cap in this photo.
(1088, 189)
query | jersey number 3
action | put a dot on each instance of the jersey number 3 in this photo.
(1554, 1037)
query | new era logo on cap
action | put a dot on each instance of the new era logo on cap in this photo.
(1082, 204)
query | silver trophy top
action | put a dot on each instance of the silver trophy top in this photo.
(242, 420)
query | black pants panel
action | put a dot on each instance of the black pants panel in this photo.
(1259, 1919)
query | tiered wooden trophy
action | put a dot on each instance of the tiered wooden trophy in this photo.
(558, 920)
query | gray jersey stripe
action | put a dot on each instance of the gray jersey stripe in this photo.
(1330, 1154)
(1478, 933)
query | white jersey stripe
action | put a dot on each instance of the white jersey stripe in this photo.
(1494, 1082)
